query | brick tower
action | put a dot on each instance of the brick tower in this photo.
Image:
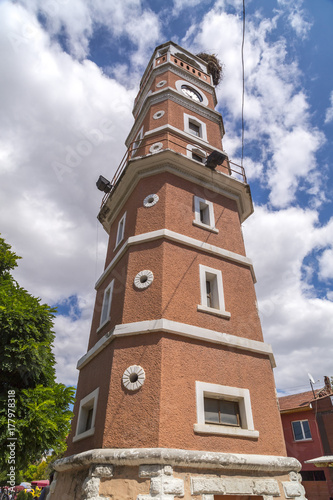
(176, 396)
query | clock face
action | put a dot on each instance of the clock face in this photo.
(191, 93)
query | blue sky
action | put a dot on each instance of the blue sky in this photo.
(70, 73)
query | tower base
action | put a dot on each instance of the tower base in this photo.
(169, 474)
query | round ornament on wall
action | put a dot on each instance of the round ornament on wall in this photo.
(133, 377)
(143, 279)
(150, 200)
(158, 114)
(161, 83)
(157, 146)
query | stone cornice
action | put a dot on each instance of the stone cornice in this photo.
(171, 94)
(181, 239)
(180, 458)
(182, 329)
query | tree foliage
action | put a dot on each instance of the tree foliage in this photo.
(41, 413)
(215, 68)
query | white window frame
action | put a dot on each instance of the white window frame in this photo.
(303, 432)
(198, 203)
(120, 230)
(192, 149)
(88, 402)
(241, 396)
(215, 276)
(202, 126)
(137, 141)
(106, 306)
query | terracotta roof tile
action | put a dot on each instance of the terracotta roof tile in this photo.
(301, 400)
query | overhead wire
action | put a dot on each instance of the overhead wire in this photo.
(243, 81)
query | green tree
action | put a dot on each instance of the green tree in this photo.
(33, 407)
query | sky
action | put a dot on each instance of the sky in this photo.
(70, 70)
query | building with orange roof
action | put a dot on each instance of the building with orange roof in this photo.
(307, 421)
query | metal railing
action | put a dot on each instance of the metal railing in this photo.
(169, 141)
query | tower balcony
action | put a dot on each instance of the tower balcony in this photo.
(169, 141)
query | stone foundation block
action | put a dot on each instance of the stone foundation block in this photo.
(269, 487)
(293, 490)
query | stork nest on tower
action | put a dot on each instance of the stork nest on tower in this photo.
(215, 67)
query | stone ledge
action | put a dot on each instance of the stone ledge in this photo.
(180, 458)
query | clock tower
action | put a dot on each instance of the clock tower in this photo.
(176, 395)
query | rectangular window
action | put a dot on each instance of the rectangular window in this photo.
(106, 307)
(212, 297)
(204, 214)
(121, 230)
(137, 142)
(313, 475)
(301, 430)
(197, 157)
(224, 410)
(196, 127)
(87, 416)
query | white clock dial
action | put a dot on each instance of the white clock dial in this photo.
(191, 93)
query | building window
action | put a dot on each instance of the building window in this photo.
(106, 307)
(313, 475)
(87, 416)
(204, 214)
(120, 230)
(224, 410)
(195, 153)
(301, 430)
(137, 142)
(211, 288)
(194, 126)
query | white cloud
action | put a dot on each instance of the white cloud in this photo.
(296, 17)
(63, 123)
(77, 20)
(277, 115)
(329, 111)
(294, 320)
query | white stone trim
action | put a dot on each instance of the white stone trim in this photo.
(137, 141)
(179, 238)
(179, 458)
(215, 277)
(181, 133)
(203, 485)
(89, 401)
(242, 396)
(179, 84)
(202, 127)
(120, 231)
(210, 225)
(182, 329)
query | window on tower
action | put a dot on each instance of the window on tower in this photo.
(196, 127)
(224, 410)
(204, 214)
(195, 153)
(120, 230)
(106, 307)
(87, 416)
(212, 298)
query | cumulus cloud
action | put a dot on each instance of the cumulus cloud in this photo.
(294, 320)
(329, 111)
(277, 115)
(63, 123)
